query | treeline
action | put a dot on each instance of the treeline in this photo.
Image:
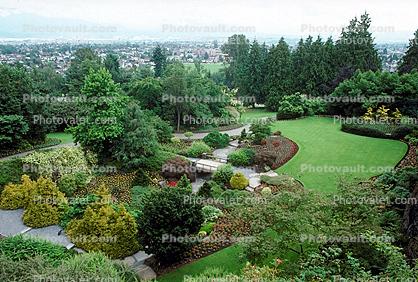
(315, 67)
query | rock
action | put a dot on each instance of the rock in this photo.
(249, 189)
(145, 272)
(130, 261)
(254, 182)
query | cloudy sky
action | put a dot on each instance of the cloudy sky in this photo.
(391, 19)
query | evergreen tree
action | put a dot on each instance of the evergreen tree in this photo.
(356, 47)
(279, 75)
(410, 60)
(111, 63)
(159, 58)
(256, 73)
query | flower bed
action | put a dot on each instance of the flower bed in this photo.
(274, 152)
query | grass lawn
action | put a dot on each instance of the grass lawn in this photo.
(212, 67)
(250, 115)
(323, 146)
(227, 259)
(64, 137)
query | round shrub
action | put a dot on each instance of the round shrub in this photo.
(239, 181)
(197, 149)
(111, 230)
(266, 191)
(260, 131)
(223, 174)
(169, 214)
(45, 204)
(207, 228)
(71, 183)
(176, 167)
(241, 157)
(217, 140)
(289, 111)
(15, 196)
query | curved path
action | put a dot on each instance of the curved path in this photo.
(23, 154)
(201, 135)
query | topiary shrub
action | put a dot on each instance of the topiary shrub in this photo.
(45, 204)
(71, 183)
(168, 215)
(239, 181)
(197, 149)
(15, 196)
(242, 157)
(223, 174)
(111, 230)
(217, 140)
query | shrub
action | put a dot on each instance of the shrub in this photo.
(58, 162)
(18, 248)
(176, 167)
(239, 181)
(76, 209)
(71, 183)
(260, 131)
(242, 157)
(45, 204)
(217, 140)
(378, 130)
(281, 181)
(197, 149)
(412, 138)
(210, 213)
(207, 189)
(207, 227)
(188, 134)
(184, 183)
(10, 172)
(289, 111)
(13, 129)
(266, 191)
(111, 230)
(15, 196)
(223, 174)
(167, 213)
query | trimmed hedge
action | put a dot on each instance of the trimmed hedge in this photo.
(217, 140)
(388, 131)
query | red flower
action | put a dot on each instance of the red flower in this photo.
(172, 183)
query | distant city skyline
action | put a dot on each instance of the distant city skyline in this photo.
(191, 19)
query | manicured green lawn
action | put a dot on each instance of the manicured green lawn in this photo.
(65, 137)
(212, 67)
(323, 146)
(227, 259)
(250, 115)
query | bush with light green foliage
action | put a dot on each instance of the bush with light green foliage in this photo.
(241, 157)
(58, 162)
(71, 183)
(45, 204)
(103, 227)
(239, 181)
(15, 196)
(211, 213)
(198, 148)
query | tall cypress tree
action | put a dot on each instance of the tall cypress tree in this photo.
(410, 60)
(159, 59)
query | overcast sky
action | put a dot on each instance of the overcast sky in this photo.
(391, 19)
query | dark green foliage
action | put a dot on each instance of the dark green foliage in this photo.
(19, 248)
(159, 59)
(242, 157)
(71, 183)
(10, 171)
(383, 130)
(169, 212)
(410, 60)
(13, 129)
(184, 183)
(217, 140)
(76, 209)
(223, 174)
(207, 189)
(260, 131)
(197, 149)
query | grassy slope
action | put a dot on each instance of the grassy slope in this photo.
(227, 258)
(322, 143)
(64, 137)
(251, 115)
